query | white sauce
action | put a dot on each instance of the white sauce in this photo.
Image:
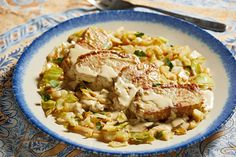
(126, 92)
(93, 105)
(85, 73)
(108, 72)
(208, 97)
(159, 100)
(76, 52)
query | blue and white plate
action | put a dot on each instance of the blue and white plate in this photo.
(219, 59)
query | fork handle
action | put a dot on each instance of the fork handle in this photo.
(206, 24)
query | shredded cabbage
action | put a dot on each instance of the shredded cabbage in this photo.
(141, 137)
(49, 106)
(54, 73)
(204, 81)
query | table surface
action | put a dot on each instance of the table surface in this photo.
(21, 21)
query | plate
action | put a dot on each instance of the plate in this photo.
(219, 60)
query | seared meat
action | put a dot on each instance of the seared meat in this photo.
(98, 68)
(141, 75)
(85, 42)
(92, 38)
(157, 103)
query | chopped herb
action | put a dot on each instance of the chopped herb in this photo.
(82, 85)
(188, 68)
(58, 60)
(99, 125)
(156, 84)
(54, 83)
(45, 96)
(159, 135)
(139, 53)
(139, 34)
(168, 62)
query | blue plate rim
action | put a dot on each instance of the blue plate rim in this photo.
(122, 15)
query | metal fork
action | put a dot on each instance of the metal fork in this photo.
(121, 4)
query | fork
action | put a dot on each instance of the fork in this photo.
(121, 4)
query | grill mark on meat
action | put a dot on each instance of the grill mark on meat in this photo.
(95, 52)
(139, 74)
(193, 87)
(93, 38)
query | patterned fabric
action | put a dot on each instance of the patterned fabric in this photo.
(32, 17)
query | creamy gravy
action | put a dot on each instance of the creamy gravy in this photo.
(159, 100)
(86, 73)
(93, 105)
(76, 52)
(108, 72)
(126, 91)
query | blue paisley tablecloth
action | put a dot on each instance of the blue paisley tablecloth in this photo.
(23, 20)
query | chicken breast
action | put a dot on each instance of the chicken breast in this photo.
(92, 38)
(157, 103)
(99, 68)
(85, 41)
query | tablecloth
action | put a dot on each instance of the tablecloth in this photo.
(21, 21)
